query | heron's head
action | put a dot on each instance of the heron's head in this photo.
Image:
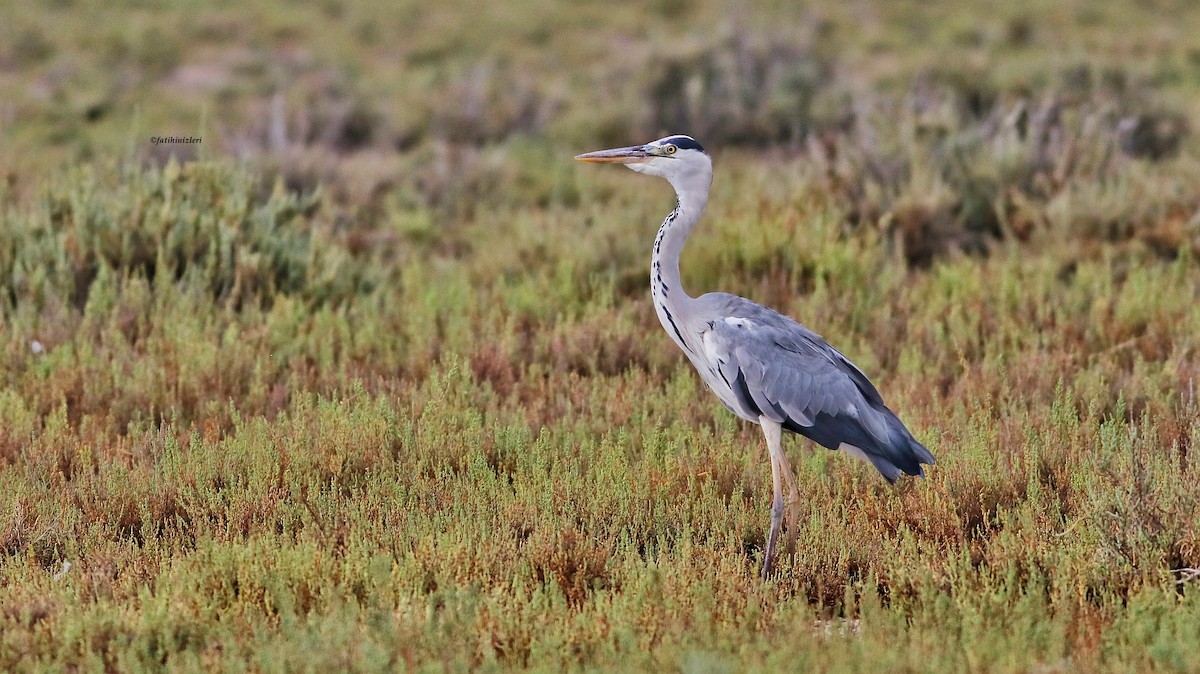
(679, 159)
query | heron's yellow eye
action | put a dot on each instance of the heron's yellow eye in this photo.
(670, 149)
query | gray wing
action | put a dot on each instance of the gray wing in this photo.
(780, 369)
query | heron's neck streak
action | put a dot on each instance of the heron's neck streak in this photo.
(670, 300)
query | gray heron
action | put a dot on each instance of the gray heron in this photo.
(765, 367)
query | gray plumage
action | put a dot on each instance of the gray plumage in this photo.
(762, 363)
(765, 367)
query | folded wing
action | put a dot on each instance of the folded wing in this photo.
(789, 374)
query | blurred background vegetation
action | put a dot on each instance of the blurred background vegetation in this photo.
(949, 125)
(367, 379)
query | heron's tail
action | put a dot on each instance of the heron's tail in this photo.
(901, 454)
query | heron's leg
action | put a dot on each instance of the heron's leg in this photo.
(793, 501)
(772, 430)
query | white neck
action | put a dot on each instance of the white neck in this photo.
(670, 299)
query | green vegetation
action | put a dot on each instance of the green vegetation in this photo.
(369, 380)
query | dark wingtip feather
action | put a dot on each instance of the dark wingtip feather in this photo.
(899, 453)
(905, 454)
(889, 471)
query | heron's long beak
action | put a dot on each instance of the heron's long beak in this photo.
(621, 155)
